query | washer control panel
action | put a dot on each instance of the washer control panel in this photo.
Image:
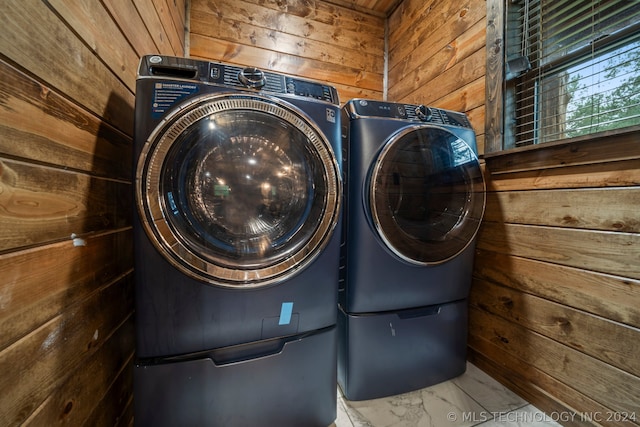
(359, 108)
(234, 76)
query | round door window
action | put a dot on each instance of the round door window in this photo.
(238, 190)
(426, 195)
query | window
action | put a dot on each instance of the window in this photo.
(572, 68)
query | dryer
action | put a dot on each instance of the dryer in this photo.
(415, 196)
(238, 192)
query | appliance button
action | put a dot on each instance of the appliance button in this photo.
(252, 77)
(424, 113)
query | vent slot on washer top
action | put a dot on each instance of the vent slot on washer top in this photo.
(180, 73)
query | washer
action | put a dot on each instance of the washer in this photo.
(415, 196)
(238, 192)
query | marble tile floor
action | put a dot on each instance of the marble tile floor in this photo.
(472, 399)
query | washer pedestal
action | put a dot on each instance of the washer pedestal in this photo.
(383, 354)
(292, 384)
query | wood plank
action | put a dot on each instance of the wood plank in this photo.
(329, 12)
(595, 149)
(172, 33)
(212, 49)
(149, 15)
(534, 385)
(130, 22)
(466, 99)
(36, 365)
(408, 20)
(347, 93)
(82, 76)
(601, 251)
(311, 40)
(116, 407)
(425, 63)
(444, 49)
(58, 131)
(180, 10)
(607, 174)
(453, 80)
(66, 274)
(612, 297)
(441, 23)
(376, 8)
(606, 209)
(177, 10)
(480, 143)
(283, 22)
(95, 378)
(494, 122)
(476, 116)
(40, 205)
(611, 342)
(268, 39)
(96, 28)
(613, 388)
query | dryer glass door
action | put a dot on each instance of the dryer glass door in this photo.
(237, 190)
(426, 194)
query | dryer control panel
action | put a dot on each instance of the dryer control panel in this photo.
(359, 108)
(230, 75)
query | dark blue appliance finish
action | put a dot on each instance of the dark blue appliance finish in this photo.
(415, 197)
(296, 387)
(238, 193)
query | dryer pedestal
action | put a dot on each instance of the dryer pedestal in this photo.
(383, 354)
(293, 384)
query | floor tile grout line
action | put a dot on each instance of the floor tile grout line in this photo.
(471, 397)
(344, 407)
(355, 421)
(518, 408)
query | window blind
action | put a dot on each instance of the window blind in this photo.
(573, 68)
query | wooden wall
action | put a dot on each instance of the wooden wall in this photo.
(66, 118)
(311, 39)
(555, 302)
(555, 307)
(437, 56)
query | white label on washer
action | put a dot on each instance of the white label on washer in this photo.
(331, 115)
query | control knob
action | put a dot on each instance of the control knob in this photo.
(252, 77)
(424, 113)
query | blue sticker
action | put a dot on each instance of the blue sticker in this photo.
(285, 313)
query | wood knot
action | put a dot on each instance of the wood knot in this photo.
(506, 302)
(564, 324)
(67, 409)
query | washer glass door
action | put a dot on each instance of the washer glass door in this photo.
(238, 190)
(426, 194)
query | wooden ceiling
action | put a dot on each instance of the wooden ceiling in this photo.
(374, 7)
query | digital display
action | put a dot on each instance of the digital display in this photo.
(307, 89)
